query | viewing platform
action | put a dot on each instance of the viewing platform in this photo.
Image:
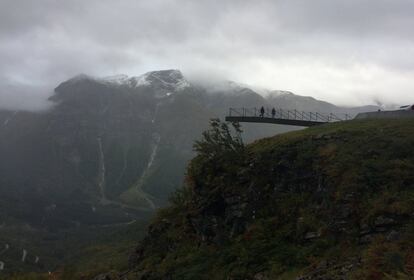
(283, 117)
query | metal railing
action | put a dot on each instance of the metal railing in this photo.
(288, 115)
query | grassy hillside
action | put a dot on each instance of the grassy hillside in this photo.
(324, 203)
(84, 253)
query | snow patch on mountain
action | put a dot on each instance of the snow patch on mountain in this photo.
(166, 82)
(168, 79)
(140, 81)
(116, 79)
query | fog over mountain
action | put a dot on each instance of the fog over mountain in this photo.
(348, 53)
(25, 97)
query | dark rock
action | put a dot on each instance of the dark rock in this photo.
(232, 199)
(106, 276)
(345, 212)
(135, 256)
(393, 236)
(239, 226)
(261, 276)
(326, 270)
(364, 229)
(380, 229)
(312, 235)
(367, 238)
(384, 221)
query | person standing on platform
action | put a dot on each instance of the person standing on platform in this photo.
(262, 111)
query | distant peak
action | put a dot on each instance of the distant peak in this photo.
(163, 83)
(171, 76)
(169, 80)
(171, 73)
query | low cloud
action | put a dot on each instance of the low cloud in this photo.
(24, 97)
(350, 53)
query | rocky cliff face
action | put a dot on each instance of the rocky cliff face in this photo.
(332, 202)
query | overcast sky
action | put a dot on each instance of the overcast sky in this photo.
(349, 52)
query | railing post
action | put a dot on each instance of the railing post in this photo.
(318, 117)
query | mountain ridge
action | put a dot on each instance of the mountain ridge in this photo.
(175, 76)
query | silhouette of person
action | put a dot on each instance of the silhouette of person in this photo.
(273, 112)
(262, 111)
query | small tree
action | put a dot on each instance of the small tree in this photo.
(218, 152)
(219, 141)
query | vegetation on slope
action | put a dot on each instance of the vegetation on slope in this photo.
(81, 254)
(320, 203)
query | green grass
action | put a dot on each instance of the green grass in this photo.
(291, 185)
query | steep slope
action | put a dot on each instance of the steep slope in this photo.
(101, 138)
(330, 202)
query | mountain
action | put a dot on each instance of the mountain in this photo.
(288, 100)
(329, 202)
(109, 152)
